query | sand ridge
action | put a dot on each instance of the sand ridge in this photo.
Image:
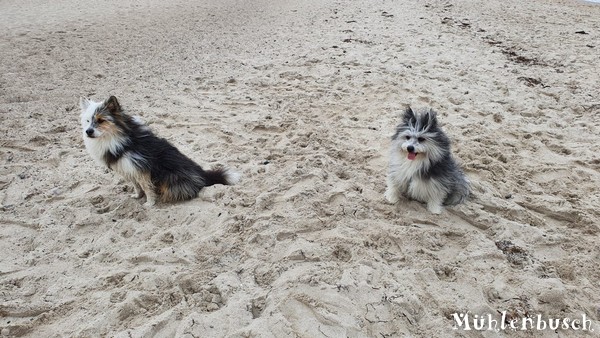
(301, 99)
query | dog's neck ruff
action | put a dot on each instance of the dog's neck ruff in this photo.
(106, 149)
(405, 170)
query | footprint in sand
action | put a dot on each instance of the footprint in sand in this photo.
(101, 206)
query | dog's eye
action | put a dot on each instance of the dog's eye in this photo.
(407, 137)
(420, 139)
(88, 121)
(100, 120)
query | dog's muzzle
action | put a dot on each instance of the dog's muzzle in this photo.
(411, 153)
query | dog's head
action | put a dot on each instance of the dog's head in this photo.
(100, 119)
(420, 137)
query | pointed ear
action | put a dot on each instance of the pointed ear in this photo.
(84, 103)
(408, 115)
(430, 119)
(112, 105)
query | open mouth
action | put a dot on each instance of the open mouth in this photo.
(412, 155)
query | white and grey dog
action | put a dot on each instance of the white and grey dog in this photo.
(421, 165)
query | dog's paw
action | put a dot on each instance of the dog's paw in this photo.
(434, 208)
(150, 203)
(138, 192)
(391, 196)
(137, 195)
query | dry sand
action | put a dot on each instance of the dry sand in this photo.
(301, 98)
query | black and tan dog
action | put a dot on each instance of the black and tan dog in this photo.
(128, 146)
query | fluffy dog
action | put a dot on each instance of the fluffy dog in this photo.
(155, 167)
(421, 165)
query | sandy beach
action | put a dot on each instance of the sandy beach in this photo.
(300, 98)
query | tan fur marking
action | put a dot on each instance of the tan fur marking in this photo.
(165, 193)
(145, 182)
(109, 128)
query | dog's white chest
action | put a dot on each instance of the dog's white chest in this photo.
(95, 149)
(403, 171)
(127, 165)
(406, 176)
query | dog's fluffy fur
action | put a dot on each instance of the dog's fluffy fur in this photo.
(155, 167)
(421, 165)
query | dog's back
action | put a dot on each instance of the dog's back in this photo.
(175, 176)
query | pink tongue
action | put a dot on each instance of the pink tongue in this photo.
(412, 156)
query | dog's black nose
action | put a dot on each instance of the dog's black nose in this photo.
(89, 132)
(410, 149)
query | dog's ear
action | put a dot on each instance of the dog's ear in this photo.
(112, 105)
(408, 115)
(430, 120)
(84, 103)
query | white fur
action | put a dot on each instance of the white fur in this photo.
(140, 122)
(88, 108)
(232, 177)
(126, 166)
(98, 146)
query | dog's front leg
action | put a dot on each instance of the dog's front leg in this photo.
(138, 191)
(392, 191)
(150, 199)
(435, 206)
(148, 188)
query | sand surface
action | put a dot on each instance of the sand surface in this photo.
(300, 98)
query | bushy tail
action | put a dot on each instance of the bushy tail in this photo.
(186, 185)
(220, 176)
